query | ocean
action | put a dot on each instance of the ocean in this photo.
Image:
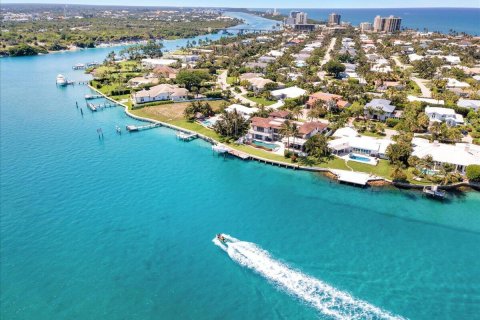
(432, 19)
(122, 228)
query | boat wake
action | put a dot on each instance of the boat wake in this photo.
(325, 298)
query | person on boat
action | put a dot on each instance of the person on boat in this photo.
(220, 237)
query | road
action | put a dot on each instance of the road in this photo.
(426, 93)
(222, 82)
(326, 58)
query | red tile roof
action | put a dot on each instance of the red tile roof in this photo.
(308, 127)
(265, 122)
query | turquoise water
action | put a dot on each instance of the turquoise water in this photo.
(122, 228)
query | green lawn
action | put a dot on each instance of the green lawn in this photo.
(232, 80)
(382, 169)
(372, 134)
(263, 101)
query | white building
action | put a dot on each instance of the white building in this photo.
(246, 112)
(379, 109)
(459, 155)
(426, 100)
(349, 141)
(454, 83)
(469, 104)
(152, 63)
(291, 92)
(160, 93)
(437, 114)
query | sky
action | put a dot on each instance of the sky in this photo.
(272, 3)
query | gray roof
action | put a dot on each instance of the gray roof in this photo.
(471, 104)
(381, 104)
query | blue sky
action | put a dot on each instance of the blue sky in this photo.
(273, 3)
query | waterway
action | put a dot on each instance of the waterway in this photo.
(122, 228)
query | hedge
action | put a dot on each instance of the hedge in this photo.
(473, 172)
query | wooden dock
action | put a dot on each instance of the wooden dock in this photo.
(133, 128)
(239, 154)
(99, 106)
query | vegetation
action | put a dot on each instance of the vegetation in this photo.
(231, 125)
(473, 172)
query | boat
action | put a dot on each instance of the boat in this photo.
(219, 148)
(434, 192)
(61, 80)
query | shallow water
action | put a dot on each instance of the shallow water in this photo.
(122, 228)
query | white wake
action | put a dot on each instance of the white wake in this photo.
(328, 300)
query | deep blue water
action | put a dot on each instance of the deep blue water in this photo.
(122, 228)
(433, 19)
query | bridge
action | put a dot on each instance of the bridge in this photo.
(243, 30)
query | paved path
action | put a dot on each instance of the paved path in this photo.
(326, 58)
(426, 93)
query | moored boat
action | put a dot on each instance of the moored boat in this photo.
(61, 80)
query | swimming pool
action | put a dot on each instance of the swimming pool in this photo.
(208, 122)
(359, 158)
(266, 145)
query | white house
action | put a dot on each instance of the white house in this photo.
(454, 83)
(246, 112)
(437, 114)
(469, 104)
(459, 155)
(160, 92)
(291, 92)
(379, 109)
(152, 63)
(348, 141)
(427, 100)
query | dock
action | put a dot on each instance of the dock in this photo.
(239, 154)
(133, 128)
(96, 107)
(434, 192)
(186, 136)
(352, 177)
(93, 96)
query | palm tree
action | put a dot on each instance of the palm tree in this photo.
(294, 131)
(285, 130)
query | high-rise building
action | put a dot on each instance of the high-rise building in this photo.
(301, 18)
(387, 24)
(366, 26)
(392, 24)
(334, 19)
(378, 24)
(296, 17)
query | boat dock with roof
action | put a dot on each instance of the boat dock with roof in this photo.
(352, 177)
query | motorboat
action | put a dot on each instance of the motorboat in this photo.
(61, 80)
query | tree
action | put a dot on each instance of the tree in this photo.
(334, 67)
(399, 175)
(473, 172)
(231, 125)
(317, 146)
(152, 49)
(286, 131)
(398, 153)
(191, 78)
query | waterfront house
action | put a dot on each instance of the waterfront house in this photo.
(331, 101)
(379, 109)
(306, 130)
(265, 129)
(287, 93)
(460, 155)
(246, 112)
(349, 141)
(160, 92)
(437, 114)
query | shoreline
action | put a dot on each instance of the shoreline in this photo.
(329, 173)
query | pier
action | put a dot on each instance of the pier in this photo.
(96, 107)
(239, 154)
(133, 128)
(186, 136)
(93, 96)
(434, 192)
